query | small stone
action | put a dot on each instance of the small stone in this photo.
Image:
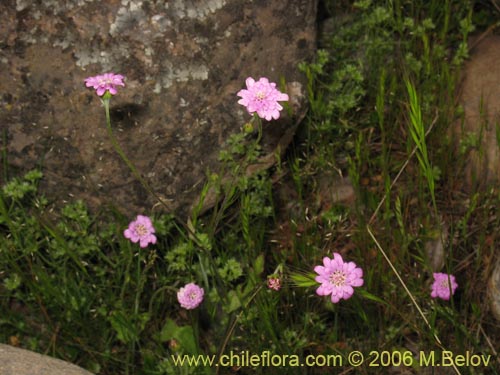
(15, 361)
(434, 248)
(335, 189)
(494, 291)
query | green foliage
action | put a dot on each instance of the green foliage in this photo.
(389, 132)
(127, 327)
(230, 271)
(18, 188)
(380, 94)
(418, 134)
(303, 280)
(178, 257)
(184, 336)
(13, 282)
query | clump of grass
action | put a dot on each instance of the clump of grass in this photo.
(407, 71)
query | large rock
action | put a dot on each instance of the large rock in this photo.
(184, 61)
(15, 361)
(480, 93)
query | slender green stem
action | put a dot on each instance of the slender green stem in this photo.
(158, 291)
(391, 265)
(234, 322)
(127, 273)
(5, 214)
(259, 128)
(4, 155)
(374, 215)
(137, 300)
(417, 131)
(415, 303)
(124, 157)
(134, 170)
(139, 285)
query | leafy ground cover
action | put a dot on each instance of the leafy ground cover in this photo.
(381, 102)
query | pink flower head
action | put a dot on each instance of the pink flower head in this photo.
(337, 278)
(190, 296)
(441, 286)
(105, 82)
(141, 230)
(262, 97)
(274, 282)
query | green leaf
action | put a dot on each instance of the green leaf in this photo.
(304, 280)
(128, 327)
(13, 282)
(258, 266)
(234, 302)
(184, 335)
(370, 296)
(168, 330)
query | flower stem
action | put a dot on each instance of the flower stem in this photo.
(105, 100)
(124, 157)
(259, 128)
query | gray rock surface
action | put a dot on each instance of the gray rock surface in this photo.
(184, 61)
(15, 361)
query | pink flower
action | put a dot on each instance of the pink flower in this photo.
(141, 230)
(338, 278)
(274, 282)
(105, 82)
(441, 286)
(262, 97)
(190, 296)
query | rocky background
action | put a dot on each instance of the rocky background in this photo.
(480, 124)
(184, 61)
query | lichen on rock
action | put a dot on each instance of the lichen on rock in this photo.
(184, 62)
